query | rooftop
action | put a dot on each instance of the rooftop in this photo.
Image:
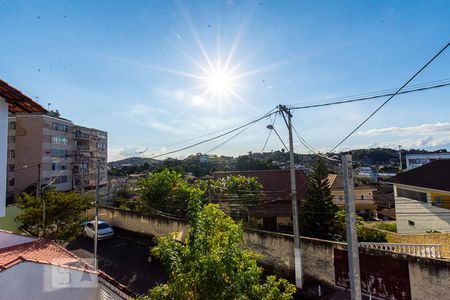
(15, 249)
(18, 102)
(434, 175)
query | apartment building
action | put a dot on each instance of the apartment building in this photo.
(53, 151)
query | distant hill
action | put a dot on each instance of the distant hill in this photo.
(373, 157)
(132, 161)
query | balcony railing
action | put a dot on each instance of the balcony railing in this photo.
(80, 135)
(422, 250)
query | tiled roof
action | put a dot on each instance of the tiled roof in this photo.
(434, 175)
(17, 101)
(43, 252)
(336, 182)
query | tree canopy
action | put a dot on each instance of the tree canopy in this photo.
(64, 212)
(212, 264)
(317, 210)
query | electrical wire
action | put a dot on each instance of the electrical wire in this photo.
(270, 132)
(329, 102)
(390, 98)
(231, 138)
(217, 136)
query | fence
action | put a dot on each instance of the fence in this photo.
(422, 250)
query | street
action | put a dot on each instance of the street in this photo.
(124, 258)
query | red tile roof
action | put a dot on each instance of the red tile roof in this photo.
(17, 101)
(43, 252)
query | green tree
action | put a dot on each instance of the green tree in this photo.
(165, 191)
(63, 213)
(317, 210)
(212, 264)
(364, 233)
(237, 194)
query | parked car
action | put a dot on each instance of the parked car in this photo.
(105, 231)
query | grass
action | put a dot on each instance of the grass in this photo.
(392, 227)
(8, 222)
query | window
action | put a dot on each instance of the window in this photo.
(61, 179)
(12, 154)
(59, 140)
(101, 146)
(11, 167)
(411, 223)
(11, 139)
(12, 126)
(59, 152)
(412, 195)
(58, 166)
(60, 127)
(362, 197)
(11, 182)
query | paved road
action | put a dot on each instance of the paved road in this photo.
(124, 258)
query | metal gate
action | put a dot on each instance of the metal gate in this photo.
(381, 276)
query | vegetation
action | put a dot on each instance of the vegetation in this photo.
(392, 227)
(63, 213)
(165, 191)
(212, 264)
(317, 210)
(365, 234)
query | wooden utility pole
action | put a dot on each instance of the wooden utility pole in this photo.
(350, 218)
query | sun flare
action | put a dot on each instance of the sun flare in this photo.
(219, 82)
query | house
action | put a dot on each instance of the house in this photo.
(275, 211)
(422, 198)
(32, 268)
(364, 203)
(54, 149)
(417, 160)
(11, 101)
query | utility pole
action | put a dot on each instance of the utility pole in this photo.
(96, 215)
(297, 250)
(82, 177)
(350, 218)
(400, 156)
(38, 195)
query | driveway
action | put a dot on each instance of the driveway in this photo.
(124, 258)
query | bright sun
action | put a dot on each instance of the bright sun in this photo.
(219, 82)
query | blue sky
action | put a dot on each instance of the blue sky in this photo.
(139, 69)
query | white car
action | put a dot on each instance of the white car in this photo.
(105, 231)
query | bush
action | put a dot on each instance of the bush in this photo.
(392, 227)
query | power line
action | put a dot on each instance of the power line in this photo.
(270, 132)
(390, 98)
(231, 138)
(329, 102)
(217, 136)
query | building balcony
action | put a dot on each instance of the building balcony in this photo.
(81, 135)
(82, 147)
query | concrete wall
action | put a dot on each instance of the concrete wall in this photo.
(427, 276)
(156, 225)
(430, 279)
(33, 281)
(3, 153)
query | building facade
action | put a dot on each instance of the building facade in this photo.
(422, 198)
(11, 101)
(417, 160)
(363, 194)
(52, 151)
